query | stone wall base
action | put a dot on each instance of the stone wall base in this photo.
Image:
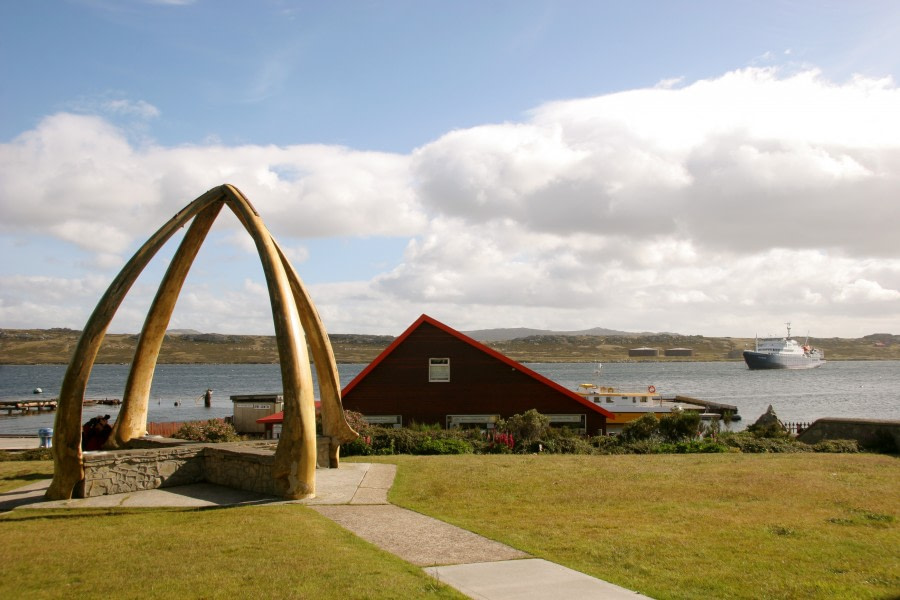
(162, 462)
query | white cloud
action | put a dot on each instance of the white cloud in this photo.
(140, 109)
(697, 207)
(863, 290)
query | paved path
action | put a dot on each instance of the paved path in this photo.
(9, 442)
(355, 497)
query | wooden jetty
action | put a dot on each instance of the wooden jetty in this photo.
(104, 401)
(712, 407)
(27, 406)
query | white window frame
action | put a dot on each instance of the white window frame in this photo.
(438, 370)
(568, 420)
(482, 421)
(395, 421)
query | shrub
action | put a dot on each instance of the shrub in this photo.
(498, 442)
(644, 428)
(837, 446)
(443, 446)
(394, 441)
(415, 426)
(746, 441)
(214, 430)
(706, 446)
(572, 445)
(605, 444)
(356, 420)
(361, 446)
(639, 447)
(526, 427)
(679, 425)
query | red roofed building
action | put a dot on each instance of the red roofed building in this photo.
(435, 374)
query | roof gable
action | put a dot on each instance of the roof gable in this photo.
(478, 346)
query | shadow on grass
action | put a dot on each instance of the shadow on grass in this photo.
(24, 513)
(26, 477)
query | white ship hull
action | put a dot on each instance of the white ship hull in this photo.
(764, 360)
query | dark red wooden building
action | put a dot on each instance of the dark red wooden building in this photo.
(435, 374)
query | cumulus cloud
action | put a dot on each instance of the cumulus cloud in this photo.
(750, 159)
(81, 178)
(704, 206)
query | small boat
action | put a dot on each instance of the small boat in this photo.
(783, 353)
(628, 406)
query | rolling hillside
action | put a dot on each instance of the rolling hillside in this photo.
(55, 346)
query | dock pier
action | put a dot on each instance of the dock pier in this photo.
(713, 407)
(27, 406)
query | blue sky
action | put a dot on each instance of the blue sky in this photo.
(716, 168)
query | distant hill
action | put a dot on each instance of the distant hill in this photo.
(55, 346)
(513, 333)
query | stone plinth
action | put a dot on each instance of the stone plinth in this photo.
(120, 471)
(163, 462)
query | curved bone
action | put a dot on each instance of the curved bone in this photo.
(334, 423)
(292, 313)
(132, 419)
(68, 469)
(295, 457)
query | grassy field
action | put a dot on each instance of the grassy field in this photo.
(55, 346)
(670, 526)
(246, 552)
(682, 526)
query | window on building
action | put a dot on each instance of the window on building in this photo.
(395, 421)
(438, 369)
(575, 422)
(484, 422)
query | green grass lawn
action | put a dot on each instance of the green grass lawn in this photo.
(681, 526)
(670, 526)
(263, 552)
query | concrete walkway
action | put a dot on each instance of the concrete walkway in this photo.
(355, 497)
(9, 442)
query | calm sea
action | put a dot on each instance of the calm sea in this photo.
(838, 389)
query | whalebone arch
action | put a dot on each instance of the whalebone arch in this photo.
(296, 322)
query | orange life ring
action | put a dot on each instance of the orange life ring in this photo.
(651, 389)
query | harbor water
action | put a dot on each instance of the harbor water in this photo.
(857, 389)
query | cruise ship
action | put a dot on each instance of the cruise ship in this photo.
(783, 353)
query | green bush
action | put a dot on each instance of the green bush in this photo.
(639, 447)
(748, 442)
(214, 430)
(416, 426)
(526, 427)
(444, 446)
(605, 444)
(377, 440)
(679, 425)
(356, 420)
(837, 446)
(386, 441)
(361, 446)
(572, 445)
(704, 446)
(645, 428)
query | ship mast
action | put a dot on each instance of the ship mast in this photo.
(789, 330)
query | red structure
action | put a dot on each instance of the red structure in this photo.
(435, 374)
